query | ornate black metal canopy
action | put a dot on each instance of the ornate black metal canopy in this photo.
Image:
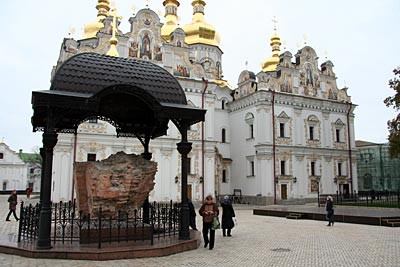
(137, 97)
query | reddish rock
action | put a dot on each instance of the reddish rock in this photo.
(119, 182)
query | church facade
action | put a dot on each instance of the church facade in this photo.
(285, 133)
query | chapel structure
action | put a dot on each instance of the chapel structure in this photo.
(284, 133)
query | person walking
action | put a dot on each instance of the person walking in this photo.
(192, 215)
(12, 199)
(329, 211)
(207, 211)
(227, 216)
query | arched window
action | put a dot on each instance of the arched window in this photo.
(224, 176)
(223, 133)
(223, 104)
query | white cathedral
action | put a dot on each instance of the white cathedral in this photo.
(283, 134)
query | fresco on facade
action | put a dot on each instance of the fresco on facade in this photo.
(133, 49)
(180, 68)
(146, 45)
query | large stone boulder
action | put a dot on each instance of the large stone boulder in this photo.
(120, 182)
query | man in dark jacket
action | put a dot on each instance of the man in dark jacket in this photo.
(12, 199)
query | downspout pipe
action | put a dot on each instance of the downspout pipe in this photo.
(202, 139)
(273, 143)
(349, 141)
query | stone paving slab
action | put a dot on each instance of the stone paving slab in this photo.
(259, 241)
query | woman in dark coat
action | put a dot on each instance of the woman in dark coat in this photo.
(329, 210)
(227, 216)
(12, 199)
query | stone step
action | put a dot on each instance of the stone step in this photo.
(294, 216)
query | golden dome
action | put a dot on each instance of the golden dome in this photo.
(91, 29)
(271, 63)
(171, 18)
(198, 31)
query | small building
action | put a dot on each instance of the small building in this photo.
(376, 170)
(19, 170)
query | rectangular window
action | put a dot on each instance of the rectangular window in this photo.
(223, 135)
(224, 176)
(281, 130)
(188, 166)
(283, 167)
(91, 157)
(312, 168)
(251, 131)
(1, 156)
(339, 167)
(31, 170)
(311, 133)
(251, 168)
(337, 135)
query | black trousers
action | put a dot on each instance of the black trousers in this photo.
(9, 213)
(206, 229)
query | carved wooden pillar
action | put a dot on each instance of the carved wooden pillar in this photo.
(184, 148)
(49, 141)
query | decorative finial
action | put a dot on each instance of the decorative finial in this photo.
(147, 3)
(326, 53)
(305, 38)
(2, 139)
(133, 8)
(284, 44)
(246, 63)
(113, 40)
(275, 22)
(71, 32)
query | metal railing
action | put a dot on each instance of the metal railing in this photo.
(388, 199)
(69, 225)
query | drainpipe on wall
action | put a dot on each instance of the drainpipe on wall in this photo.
(73, 164)
(202, 139)
(273, 143)
(349, 141)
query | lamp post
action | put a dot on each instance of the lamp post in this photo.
(318, 178)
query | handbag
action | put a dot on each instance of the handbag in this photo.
(215, 223)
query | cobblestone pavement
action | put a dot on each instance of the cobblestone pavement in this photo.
(259, 241)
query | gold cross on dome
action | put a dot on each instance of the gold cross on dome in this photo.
(275, 23)
(114, 23)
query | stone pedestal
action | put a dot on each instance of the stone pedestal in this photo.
(119, 182)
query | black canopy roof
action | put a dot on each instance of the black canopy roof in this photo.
(137, 97)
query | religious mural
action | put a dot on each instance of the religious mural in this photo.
(181, 68)
(146, 45)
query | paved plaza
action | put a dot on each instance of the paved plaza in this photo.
(257, 241)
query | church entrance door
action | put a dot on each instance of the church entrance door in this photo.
(283, 191)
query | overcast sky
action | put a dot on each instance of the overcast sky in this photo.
(361, 38)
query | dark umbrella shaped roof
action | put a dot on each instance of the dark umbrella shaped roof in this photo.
(138, 97)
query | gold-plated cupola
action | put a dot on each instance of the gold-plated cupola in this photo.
(271, 63)
(198, 31)
(91, 29)
(171, 18)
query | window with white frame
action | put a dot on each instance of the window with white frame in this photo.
(283, 120)
(250, 166)
(312, 168)
(91, 157)
(283, 167)
(250, 121)
(281, 129)
(223, 136)
(339, 128)
(313, 128)
(224, 178)
(339, 168)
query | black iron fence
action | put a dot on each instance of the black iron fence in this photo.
(69, 225)
(387, 199)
